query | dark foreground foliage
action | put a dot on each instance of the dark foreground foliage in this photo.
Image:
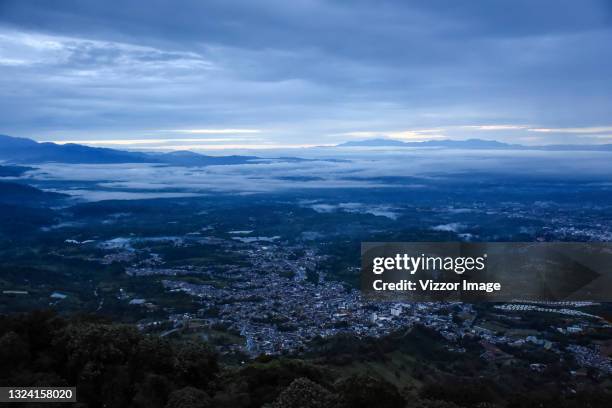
(112, 365)
(115, 365)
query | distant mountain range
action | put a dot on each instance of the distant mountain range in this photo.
(14, 150)
(471, 144)
(27, 151)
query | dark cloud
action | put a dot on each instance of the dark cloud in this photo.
(303, 70)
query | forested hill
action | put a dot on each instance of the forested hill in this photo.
(117, 366)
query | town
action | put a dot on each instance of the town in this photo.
(274, 306)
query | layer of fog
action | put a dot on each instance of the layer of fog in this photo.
(358, 169)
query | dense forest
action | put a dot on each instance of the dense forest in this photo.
(115, 365)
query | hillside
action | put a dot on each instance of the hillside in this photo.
(27, 151)
(15, 193)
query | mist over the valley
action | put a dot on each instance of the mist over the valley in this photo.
(358, 168)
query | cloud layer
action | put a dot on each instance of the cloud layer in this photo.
(416, 170)
(307, 71)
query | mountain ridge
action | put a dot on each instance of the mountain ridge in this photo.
(19, 150)
(16, 150)
(20, 194)
(471, 144)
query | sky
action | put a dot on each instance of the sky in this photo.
(213, 75)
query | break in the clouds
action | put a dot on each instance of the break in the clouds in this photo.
(298, 73)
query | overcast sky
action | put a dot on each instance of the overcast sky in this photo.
(269, 73)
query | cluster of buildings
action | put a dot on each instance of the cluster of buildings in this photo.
(529, 308)
(277, 300)
(276, 308)
(591, 357)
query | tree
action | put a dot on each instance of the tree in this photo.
(189, 397)
(14, 350)
(303, 393)
(361, 391)
(152, 392)
(195, 363)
